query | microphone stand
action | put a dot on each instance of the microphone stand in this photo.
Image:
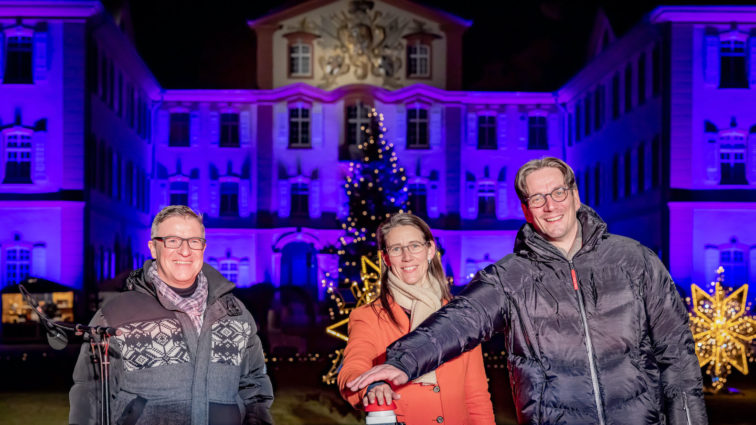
(99, 342)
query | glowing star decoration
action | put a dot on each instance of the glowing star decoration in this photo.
(722, 331)
(370, 275)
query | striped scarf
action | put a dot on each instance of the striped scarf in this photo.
(194, 305)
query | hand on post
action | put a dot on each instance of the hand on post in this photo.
(384, 372)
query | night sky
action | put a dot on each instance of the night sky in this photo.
(526, 45)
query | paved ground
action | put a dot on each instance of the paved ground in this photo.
(34, 381)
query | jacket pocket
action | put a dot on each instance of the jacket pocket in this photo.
(132, 412)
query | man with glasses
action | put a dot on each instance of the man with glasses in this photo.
(596, 332)
(186, 350)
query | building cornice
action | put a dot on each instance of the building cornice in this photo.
(413, 92)
(49, 9)
(703, 14)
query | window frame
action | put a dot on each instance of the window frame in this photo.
(418, 127)
(24, 133)
(299, 127)
(24, 75)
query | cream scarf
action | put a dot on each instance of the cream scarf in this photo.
(422, 300)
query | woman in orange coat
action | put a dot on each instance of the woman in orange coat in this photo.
(413, 287)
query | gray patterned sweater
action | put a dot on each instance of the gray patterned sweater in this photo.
(163, 372)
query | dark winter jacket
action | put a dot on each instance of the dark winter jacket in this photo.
(162, 372)
(603, 339)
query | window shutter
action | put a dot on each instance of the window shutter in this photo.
(164, 127)
(2, 55)
(214, 128)
(40, 56)
(501, 200)
(552, 130)
(38, 145)
(436, 122)
(282, 125)
(194, 129)
(472, 129)
(314, 198)
(244, 198)
(711, 60)
(433, 200)
(399, 136)
(244, 279)
(316, 125)
(245, 129)
(522, 132)
(194, 190)
(501, 131)
(39, 260)
(471, 197)
(752, 71)
(214, 198)
(163, 194)
(284, 198)
(751, 161)
(711, 157)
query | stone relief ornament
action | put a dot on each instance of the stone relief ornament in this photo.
(362, 41)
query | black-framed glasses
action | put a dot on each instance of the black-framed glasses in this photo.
(539, 199)
(175, 242)
(412, 247)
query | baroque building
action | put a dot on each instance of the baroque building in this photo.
(659, 127)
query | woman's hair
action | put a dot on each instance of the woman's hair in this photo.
(435, 268)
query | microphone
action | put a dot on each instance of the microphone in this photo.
(97, 330)
(55, 337)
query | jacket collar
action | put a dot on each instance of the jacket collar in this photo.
(532, 245)
(217, 284)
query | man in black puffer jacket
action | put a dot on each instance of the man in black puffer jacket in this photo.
(596, 332)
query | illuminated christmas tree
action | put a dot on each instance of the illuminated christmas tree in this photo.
(376, 187)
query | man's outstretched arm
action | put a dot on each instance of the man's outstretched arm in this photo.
(469, 319)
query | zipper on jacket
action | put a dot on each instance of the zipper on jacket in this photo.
(588, 347)
(685, 406)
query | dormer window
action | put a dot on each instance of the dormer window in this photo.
(419, 50)
(300, 50)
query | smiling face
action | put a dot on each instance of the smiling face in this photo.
(178, 267)
(555, 221)
(410, 268)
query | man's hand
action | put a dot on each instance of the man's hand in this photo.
(380, 393)
(382, 372)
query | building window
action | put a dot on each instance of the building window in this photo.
(179, 193)
(300, 59)
(733, 67)
(229, 205)
(18, 158)
(418, 199)
(179, 136)
(732, 158)
(417, 128)
(300, 199)
(299, 128)
(570, 129)
(655, 162)
(486, 200)
(17, 265)
(578, 118)
(357, 118)
(641, 168)
(628, 174)
(587, 116)
(487, 132)
(230, 270)
(598, 107)
(628, 88)
(229, 130)
(615, 178)
(655, 71)
(418, 60)
(642, 79)
(597, 185)
(18, 60)
(537, 133)
(733, 260)
(616, 96)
